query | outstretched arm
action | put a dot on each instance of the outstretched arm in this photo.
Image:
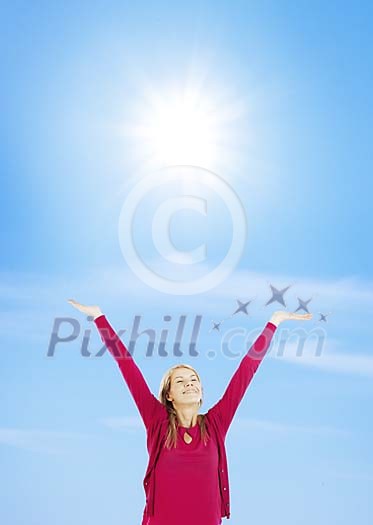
(147, 404)
(226, 407)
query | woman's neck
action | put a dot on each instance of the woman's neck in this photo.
(187, 417)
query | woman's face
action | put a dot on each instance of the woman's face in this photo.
(185, 387)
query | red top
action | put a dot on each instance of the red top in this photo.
(167, 470)
(187, 482)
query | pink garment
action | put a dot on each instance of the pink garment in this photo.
(155, 417)
(187, 482)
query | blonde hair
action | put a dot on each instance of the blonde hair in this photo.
(164, 390)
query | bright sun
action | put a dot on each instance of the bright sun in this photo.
(196, 125)
(183, 133)
(179, 130)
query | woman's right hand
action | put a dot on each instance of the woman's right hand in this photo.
(92, 311)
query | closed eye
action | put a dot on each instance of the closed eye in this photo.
(181, 380)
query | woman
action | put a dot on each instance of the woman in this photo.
(186, 481)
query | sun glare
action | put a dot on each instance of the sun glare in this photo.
(183, 134)
(180, 130)
(199, 124)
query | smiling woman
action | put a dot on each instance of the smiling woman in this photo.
(179, 385)
(187, 469)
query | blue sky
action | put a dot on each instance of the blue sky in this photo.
(288, 86)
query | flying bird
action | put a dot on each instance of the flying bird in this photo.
(216, 326)
(242, 307)
(277, 295)
(303, 305)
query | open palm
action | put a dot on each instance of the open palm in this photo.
(281, 315)
(93, 311)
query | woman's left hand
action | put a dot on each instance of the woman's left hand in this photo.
(281, 315)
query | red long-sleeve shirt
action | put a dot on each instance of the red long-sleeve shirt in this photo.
(186, 482)
(188, 500)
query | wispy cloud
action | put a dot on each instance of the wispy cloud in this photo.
(332, 291)
(118, 283)
(122, 423)
(287, 428)
(332, 358)
(29, 304)
(45, 441)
